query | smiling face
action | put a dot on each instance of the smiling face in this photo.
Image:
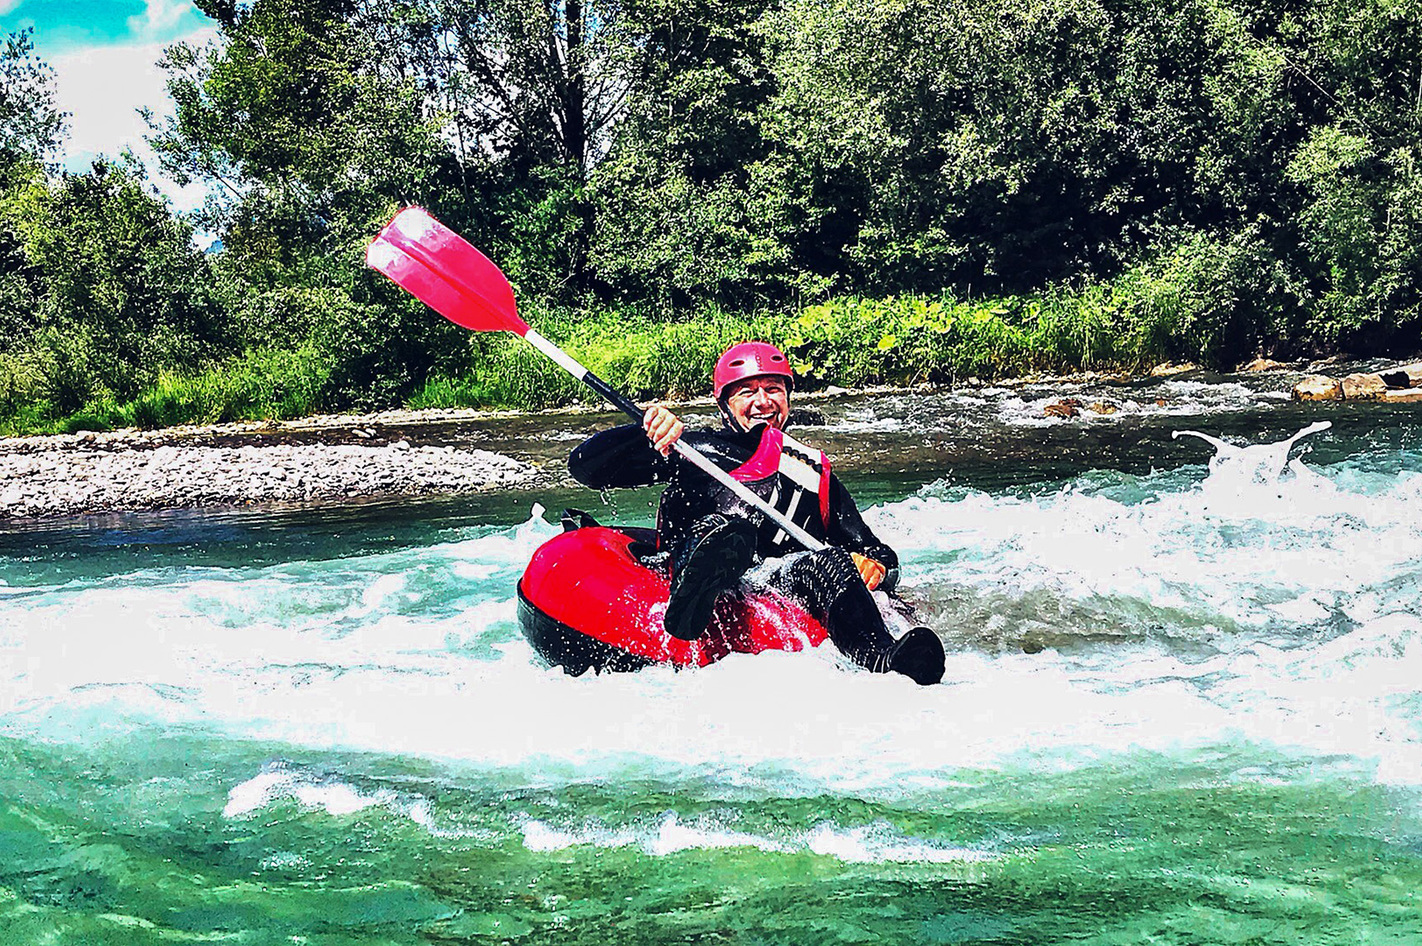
(764, 399)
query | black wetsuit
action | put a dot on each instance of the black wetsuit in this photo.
(826, 581)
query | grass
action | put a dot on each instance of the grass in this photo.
(849, 341)
(1147, 315)
(258, 385)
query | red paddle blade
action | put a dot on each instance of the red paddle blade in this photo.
(440, 268)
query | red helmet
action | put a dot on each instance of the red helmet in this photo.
(748, 360)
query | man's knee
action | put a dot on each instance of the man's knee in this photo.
(836, 566)
(821, 576)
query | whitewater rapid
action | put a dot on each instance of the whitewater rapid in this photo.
(1258, 609)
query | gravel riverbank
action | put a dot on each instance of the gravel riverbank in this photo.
(242, 464)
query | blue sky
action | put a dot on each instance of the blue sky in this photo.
(104, 55)
(63, 25)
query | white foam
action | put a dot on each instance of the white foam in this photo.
(871, 844)
(1260, 543)
(335, 797)
(1026, 407)
(879, 843)
(1274, 611)
(278, 783)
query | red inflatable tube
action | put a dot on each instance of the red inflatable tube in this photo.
(585, 600)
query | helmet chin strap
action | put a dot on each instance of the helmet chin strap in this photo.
(726, 419)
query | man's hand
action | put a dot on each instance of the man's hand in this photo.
(871, 571)
(663, 428)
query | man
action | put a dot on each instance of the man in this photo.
(713, 537)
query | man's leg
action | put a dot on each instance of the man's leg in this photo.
(712, 557)
(830, 587)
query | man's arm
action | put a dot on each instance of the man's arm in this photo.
(620, 457)
(847, 530)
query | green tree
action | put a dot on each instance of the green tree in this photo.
(681, 218)
(30, 124)
(1357, 221)
(299, 131)
(302, 126)
(117, 294)
(127, 293)
(1004, 146)
(534, 93)
(30, 128)
(22, 282)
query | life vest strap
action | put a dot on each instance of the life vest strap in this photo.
(804, 466)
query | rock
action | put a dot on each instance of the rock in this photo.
(1407, 376)
(1403, 396)
(1103, 407)
(1330, 360)
(806, 417)
(1169, 368)
(1363, 387)
(1263, 364)
(1318, 387)
(1066, 407)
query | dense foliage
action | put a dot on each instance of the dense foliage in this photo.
(897, 190)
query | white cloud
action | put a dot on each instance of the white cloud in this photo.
(103, 87)
(159, 18)
(8, 6)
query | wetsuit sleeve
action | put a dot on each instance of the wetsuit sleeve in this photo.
(849, 532)
(620, 457)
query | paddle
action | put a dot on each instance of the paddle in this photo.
(443, 270)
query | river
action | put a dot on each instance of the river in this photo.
(1183, 704)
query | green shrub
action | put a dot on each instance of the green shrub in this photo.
(264, 384)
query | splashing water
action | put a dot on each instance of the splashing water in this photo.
(1182, 706)
(1235, 468)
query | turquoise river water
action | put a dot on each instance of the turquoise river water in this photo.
(1183, 704)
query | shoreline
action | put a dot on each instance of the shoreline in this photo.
(317, 459)
(334, 457)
